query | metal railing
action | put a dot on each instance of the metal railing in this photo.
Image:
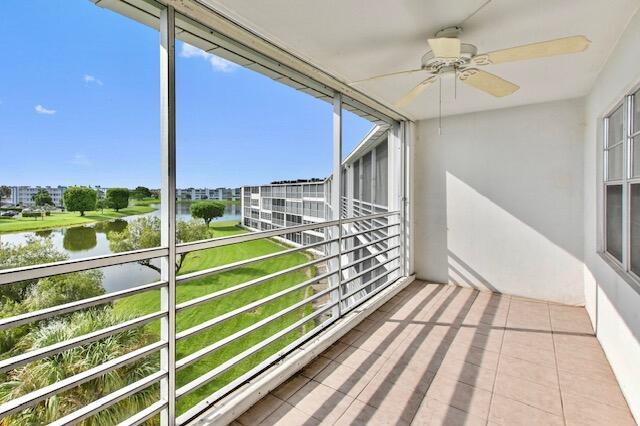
(368, 249)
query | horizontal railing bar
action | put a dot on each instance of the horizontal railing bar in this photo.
(364, 259)
(8, 276)
(378, 241)
(25, 358)
(251, 236)
(368, 283)
(108, 400)
(264, 364)
(190, 359)
(230, 363)
(225, 292)
(372, 268)
(370, 216)
(33, 398)
(230, 266)
(231, 314)
(355, 234)
(144, 415)
(75, 306)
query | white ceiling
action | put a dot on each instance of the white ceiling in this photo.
(355, 39)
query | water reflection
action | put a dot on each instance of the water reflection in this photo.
(79, 238)
(92, 240)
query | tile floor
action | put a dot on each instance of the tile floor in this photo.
(443, 355)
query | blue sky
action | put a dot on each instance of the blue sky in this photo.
(79, 105)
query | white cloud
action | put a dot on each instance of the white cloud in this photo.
(217, 63)
(80, 160)
(91, 79)
(42, 110)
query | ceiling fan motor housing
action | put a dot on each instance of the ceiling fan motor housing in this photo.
(436, 65)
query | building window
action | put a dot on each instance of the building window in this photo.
(622, 184)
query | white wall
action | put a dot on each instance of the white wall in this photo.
(612, 303)
(499, 201)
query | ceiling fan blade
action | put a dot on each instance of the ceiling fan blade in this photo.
(487, 82)
(413, 93)
(444, 47)
(387, 75)
(560, 46)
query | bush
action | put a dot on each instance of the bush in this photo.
(34, 214)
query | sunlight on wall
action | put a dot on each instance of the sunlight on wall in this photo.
(490, 249)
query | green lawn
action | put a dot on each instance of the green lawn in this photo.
(149, 302)
(146, 201)
(58, 220)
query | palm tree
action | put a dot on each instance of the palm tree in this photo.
(50, 370)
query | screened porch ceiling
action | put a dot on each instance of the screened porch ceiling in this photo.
(353, 40)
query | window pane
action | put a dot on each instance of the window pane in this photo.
(614, 220)
(615, 132)
(366, 178)
(635, 166)
(614, 163)
(635, 228)
(636, 111)
(381, 174)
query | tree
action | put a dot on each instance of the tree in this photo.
(144, 233)
(5, 192)
(80, 199)
(117, 198)
(42, 198)
(100, 205)
(141, 192)
(35, 251)
(207, 210)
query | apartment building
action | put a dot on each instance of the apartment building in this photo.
(208, 193)
(23, 195)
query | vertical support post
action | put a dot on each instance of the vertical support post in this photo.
(336, 192)
(396, 188)
(168, 210)
(404, 211)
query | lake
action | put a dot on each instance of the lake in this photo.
(91, 240)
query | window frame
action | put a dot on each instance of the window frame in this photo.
(627, 103)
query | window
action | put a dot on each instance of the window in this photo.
(622, 184)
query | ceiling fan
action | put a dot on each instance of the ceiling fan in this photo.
(449, 55)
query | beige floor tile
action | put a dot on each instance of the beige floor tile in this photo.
(260, 410)
(491, 341)
(360, 414)
(545, 398)
(579, 410)
(291, 386)
(344, 379)
(288, 415)
(470, 399)
(509, 412)
(604, 392)
(465, 372)
(532, 353)
(361, 360)
(351, 337)
(335, 350)
(436, 413)
(523, 369)
(473, 355)
(542, 340)
(592, 369)
(320, 401)
(315, 366)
